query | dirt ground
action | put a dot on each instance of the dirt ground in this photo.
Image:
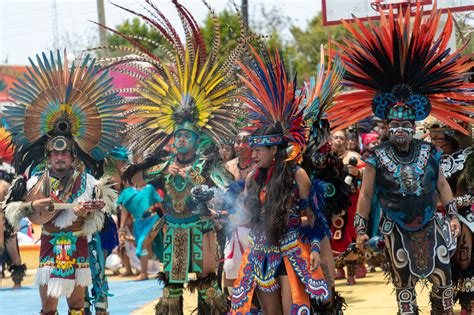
(371, 295)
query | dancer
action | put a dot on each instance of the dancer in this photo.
(238, 231)
(282, 263)
(103, 242)
(321, 164)
(55, 117)
(243, 164)
(9, 249)
(143, 204)
(343, 225)
(453, 165)
(115, 165)
(405, 74)
(186, 97)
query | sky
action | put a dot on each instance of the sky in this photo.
(26, 26)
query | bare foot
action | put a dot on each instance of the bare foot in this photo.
(141, 277)
(16, 286)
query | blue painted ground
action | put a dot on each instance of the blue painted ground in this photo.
(128, 296)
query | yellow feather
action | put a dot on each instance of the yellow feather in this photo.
(209, 75)
(184, 81)
(155, 87)
(194, 71)
(150, 97)
(211, 87)
(202, 72)
(162, 82)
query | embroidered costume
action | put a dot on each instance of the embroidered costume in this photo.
(454, 166)
(9, 250)
(406, 74)
(273, 103)
(58, 109)
(184, 105)
(323, 167)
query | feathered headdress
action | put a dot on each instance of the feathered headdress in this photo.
(57, 105)
(272, 101)
(320, 92)
(403, 71)
(188, 88)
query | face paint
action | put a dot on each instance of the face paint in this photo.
(401, 133)
(185, 141)
(395, 129)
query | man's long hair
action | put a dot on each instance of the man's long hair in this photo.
(271, 216)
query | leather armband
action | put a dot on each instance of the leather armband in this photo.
(315, 246)
(360, 224)
(451, 209)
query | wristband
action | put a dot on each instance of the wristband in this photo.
(360, 224)
(315, 246)
(451, 209)
(464, 200)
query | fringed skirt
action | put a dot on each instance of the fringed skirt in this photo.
(261, 266)
(64, 263)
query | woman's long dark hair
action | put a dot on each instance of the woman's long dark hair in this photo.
(271, 216)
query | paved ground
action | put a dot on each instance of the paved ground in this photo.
(370, 296)
(128, 297)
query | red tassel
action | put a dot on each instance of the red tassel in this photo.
(270, 172)
(257, 172)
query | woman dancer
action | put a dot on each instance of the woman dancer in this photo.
(281, 263)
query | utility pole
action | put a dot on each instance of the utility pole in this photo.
(55, 25)
(245, 12)
(101, 17)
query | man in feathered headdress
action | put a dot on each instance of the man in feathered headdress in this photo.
(403, 74)
(186, 99)
(456, 150)
(9, 251)
(63, 120)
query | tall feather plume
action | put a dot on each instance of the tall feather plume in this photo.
(320, 92)
(51, 94)
(271, 98)
(185, 84)
(378, 57)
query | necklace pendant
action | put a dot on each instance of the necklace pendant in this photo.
(179, 183)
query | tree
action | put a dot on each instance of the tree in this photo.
(464, 24)
(307, 44)
(229, 29)
(137, 28)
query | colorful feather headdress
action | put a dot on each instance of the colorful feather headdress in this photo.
(272, 101)
(188, 88)
(55, 101)
(399, 70)
(6, 146)
(320, 93)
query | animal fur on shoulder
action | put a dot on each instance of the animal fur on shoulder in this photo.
(13, 205)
